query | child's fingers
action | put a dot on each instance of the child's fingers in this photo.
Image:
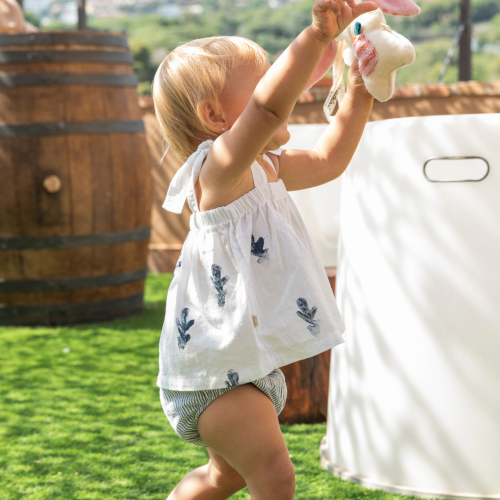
(363, 8)
(333, 5)
(355, 81)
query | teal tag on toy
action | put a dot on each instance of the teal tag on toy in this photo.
(357, 29)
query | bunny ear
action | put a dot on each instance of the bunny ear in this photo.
(324, 64)
(398, 7)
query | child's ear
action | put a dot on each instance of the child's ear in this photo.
(210, 114)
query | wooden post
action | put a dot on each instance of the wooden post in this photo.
(465, 55)
(82, 17)
(450, 53)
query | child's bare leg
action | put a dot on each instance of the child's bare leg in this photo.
(215, 481)
(242, 426)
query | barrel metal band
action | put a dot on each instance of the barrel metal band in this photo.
(21, 56)
(63, 39)
(69, 128)
(73, 283)
(72, 308)
(74, 240)
(37, 79)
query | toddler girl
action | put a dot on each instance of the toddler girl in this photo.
(249, 293)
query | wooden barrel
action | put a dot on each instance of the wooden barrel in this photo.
(168, 230)
(75, 181)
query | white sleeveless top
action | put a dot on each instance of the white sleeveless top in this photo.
(249, 293)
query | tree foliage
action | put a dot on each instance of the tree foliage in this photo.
(152, 37)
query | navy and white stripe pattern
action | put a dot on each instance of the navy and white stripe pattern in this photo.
(183, 408)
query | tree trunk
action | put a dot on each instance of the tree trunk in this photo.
(465, 54)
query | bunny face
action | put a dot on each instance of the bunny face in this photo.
(380, 51)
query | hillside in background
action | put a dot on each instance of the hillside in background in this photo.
(155, 27)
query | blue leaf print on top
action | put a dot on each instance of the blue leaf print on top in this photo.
(179, 263)
(259, 251)
(219, 283)
(183, 326)
(308, 315)
(233, 379)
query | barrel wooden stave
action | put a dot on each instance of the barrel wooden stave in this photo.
(31, 105)
(24, 206)
(89, 159)
(62, 318)
(61, 46)
(23, 105)
(105, 187)
(85, 165)
(62, 262)
(66, 67)
(71, 296)
(9, 206)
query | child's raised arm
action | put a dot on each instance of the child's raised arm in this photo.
(336, 146)
(277, 92)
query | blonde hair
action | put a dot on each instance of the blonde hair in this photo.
(194, 72)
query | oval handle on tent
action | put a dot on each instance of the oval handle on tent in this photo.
(456, 169)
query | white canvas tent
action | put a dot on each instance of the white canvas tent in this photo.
(414, 403)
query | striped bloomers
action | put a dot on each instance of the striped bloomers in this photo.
(183, 408)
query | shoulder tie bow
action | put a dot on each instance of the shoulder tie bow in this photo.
(185, 177)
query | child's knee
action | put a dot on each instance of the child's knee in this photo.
(225, 477)
(275, 479)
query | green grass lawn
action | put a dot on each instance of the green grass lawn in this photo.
(88, 424)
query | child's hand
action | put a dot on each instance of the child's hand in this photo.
(355, 83)
(331, 17)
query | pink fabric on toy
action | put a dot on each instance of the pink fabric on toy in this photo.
(324, 64)
(398, 7)
(366, 54)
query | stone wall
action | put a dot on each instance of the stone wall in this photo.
(411, 100)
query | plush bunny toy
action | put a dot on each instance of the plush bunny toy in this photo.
(379, 50)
